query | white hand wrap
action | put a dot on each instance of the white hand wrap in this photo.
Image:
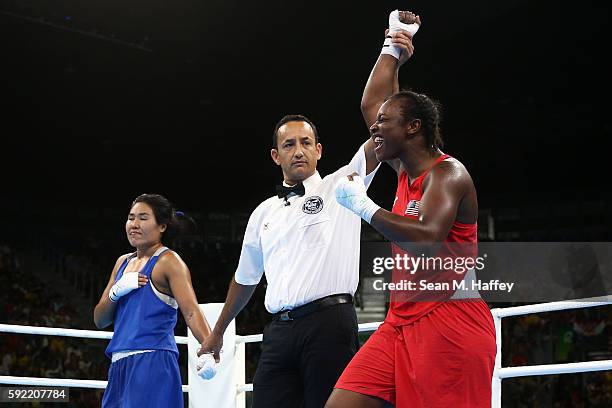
(396, 25)
(127, 283)
(206, 366)
(353, 195)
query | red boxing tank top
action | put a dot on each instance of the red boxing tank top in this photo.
(402, 310)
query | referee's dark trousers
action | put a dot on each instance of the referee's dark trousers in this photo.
(304, 354)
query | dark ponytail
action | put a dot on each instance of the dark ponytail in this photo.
(177, 223)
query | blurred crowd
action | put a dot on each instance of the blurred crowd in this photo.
(557, 338)
(26, 300)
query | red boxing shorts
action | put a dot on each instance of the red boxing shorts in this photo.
(444, 359)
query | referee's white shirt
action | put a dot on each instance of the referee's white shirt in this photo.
(308, 249)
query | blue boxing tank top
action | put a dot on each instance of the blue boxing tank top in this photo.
(143, 321)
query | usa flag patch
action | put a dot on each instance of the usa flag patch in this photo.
(412, 208)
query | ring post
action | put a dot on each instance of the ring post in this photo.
(214, 392)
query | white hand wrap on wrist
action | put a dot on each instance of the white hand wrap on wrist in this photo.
(127, 283)
(206, 366)
(353, 195)
(396, 25)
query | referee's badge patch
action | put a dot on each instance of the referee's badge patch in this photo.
(312, 205)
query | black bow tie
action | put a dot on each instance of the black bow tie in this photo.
(283, 191)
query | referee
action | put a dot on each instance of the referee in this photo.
(308, 247)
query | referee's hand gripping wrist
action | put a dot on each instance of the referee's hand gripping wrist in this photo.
(212, 345)
(351, 194)
(128, 282)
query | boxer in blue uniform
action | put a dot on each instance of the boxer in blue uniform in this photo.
(144, 292)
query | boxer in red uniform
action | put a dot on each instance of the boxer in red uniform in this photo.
(434, 351)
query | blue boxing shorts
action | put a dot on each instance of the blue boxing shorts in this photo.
(150, 379)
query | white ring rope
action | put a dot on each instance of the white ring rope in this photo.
(500, 372)
(244, 388)
(253, 338)
(58, 382)
(567, 368)
(552, 306)
(58, 331)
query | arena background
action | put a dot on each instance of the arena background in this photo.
(103, 101)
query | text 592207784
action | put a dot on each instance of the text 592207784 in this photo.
(34, 394)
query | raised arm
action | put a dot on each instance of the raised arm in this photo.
(384, 78)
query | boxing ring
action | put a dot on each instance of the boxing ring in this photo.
(233, 389)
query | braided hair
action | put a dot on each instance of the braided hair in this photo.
(419, 106)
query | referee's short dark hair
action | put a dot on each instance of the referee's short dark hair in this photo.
(293, 118)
